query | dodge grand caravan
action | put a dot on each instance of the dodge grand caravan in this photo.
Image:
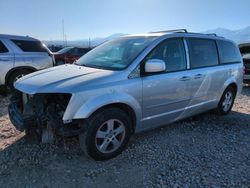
(129, 85)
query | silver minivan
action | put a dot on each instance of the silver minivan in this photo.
(129, 85)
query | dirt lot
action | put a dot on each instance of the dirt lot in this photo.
(208, 150)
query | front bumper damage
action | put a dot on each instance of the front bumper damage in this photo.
(40, 112)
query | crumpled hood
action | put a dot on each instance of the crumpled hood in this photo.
(64, 78)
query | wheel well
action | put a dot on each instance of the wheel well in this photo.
(17, 69)
(124, 107)
(234, 86)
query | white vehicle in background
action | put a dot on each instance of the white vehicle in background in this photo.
(245, 52)
(21, 55)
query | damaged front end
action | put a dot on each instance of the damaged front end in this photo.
(42, 112)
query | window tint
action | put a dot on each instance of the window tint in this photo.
(73, 51)
(3, 48)
(30, 46)
(83, 51)
(203, 53)
(229, 52)
(172, 52)
(77, 51)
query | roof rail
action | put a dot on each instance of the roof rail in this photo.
(172, 31)
(184, 31)
(213, 34)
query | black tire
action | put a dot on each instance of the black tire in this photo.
(14, 76)
(88, 141)
(220, 109)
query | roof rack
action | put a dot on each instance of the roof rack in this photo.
(213, 34)
(172, 31)
(184, 31)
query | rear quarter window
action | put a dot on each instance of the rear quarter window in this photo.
(203, 53)
(3, 48)
(83, 51)
(30, 46)
(229, 52)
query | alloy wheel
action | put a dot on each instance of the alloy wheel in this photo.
(228, 101)
(110, 136)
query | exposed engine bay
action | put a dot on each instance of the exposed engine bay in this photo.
(42, 113)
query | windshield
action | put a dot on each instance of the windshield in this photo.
(62, 51)
(116, 54)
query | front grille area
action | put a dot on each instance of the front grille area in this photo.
(27, 111)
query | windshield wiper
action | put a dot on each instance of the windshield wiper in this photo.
(91, 66)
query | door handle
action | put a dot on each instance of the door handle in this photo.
(197, 76)
(4, 60)
(185, 78)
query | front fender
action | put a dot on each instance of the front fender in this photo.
(82, 109)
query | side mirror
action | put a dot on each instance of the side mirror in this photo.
(155, 65)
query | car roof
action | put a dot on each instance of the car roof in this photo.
(17, 37)
(179, 33)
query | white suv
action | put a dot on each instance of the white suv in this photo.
(20, 55)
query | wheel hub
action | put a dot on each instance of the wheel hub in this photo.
(228, 100)
(110, 136)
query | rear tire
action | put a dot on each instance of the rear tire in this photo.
(14, 76)
(227, 101)
(106, 135)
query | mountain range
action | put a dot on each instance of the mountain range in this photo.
(239, 36)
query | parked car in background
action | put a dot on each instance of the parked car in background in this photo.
(69, 54)
(245, 52)
(21, 55)
(128, 85)
(55, 48)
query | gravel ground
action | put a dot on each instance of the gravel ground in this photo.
(205, 151)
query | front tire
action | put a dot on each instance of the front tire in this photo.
(107, 134)
(227, 100)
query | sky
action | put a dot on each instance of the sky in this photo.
(100, 18)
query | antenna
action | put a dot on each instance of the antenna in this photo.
(66, 42)
(64, 35)
(89, 42)
(63, 31)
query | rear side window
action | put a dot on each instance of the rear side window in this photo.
(229, 52)
(83, 51)
(3, 48)
(76, 51)
(30, 46)
(203, 53)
